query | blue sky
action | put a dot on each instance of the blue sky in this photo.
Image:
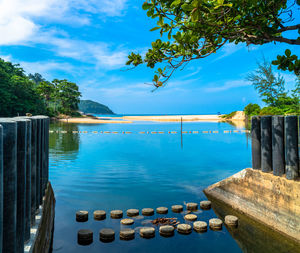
(87, 42)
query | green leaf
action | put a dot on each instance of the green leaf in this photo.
(154, 29)
(175, 3)
(288, 53)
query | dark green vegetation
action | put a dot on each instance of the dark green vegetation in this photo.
(195, 29)
(89, 106)
(271, 88)
(21, 94)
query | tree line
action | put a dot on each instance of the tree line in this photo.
(21, 93)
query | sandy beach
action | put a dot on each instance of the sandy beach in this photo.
(239, 120)
(172, 118)
(94, 121)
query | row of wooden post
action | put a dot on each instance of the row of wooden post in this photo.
(24, 165)
(275, 145)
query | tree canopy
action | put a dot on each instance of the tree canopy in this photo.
(21, 94)
(195, 29)
(271, 88)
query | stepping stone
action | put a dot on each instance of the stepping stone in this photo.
(200, 226)
(166, 230)
(190, 217)
(215, 224)
(231, 220)
(147, 232)
(99, 215)
(85, 236)
(127, 221)
(177, 208)
(205, 205)
(192, 206)
(107, 235)
(116, 214)
(127, 234)
(147, 211)
(162, 210)
(184, 229)
(133, 212)
(82, 216)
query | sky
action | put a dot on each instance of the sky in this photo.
(87, 42)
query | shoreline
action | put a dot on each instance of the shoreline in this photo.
(239, 120)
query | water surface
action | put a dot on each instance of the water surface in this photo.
(94, 171)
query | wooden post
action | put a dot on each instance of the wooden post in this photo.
(266, 143)
(1, 186)
(256, 142)
(9, 185)
(278, 160)
(291, 147)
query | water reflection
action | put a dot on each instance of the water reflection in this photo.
(64, 143)
(253, 237)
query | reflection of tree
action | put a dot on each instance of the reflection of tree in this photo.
(252, 236)
(64, 143)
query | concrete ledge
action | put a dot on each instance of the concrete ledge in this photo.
(269, 199)
(42, 233)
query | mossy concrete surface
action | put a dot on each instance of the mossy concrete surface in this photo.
(271, 200)
(44, 235)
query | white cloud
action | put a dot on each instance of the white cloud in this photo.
(19, 18)
(228, 85)
(45, 67)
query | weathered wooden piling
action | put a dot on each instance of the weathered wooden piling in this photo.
(28, 184)
(33, 168)
(46, 154)
(291, 147)
(266, 143)
(9, 185)
(38, 161)
(278, 159)
(1, 186)
(256, 142)
(21, 180)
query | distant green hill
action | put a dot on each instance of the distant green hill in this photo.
(89, 106)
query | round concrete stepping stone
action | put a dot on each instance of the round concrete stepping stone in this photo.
(200, 226)
(127, 234)
(205, 205)
(184, 229)
(127, 221)
(147, 211)
(231, 220)
(177, 208)
(215, 224)
(147, 232)
(107, 235)
(85, 236)
(133, 212)
(82, 216)
(166, 230)
(99, 215)
(191, 206)
(190, 217)
(162, 210)
(116, 214)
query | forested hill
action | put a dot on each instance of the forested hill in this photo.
(89, 106)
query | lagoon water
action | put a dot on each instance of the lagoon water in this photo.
(94, 171)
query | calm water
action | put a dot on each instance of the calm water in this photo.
(90, 171)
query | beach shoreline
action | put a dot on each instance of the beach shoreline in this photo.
(161, 118)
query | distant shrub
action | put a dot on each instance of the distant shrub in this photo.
(252, 109)
(270, 110)
(229, 116)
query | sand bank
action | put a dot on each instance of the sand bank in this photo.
(94, 121)
(174, 118)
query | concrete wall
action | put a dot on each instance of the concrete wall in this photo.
(43, 240)
(270, 199)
